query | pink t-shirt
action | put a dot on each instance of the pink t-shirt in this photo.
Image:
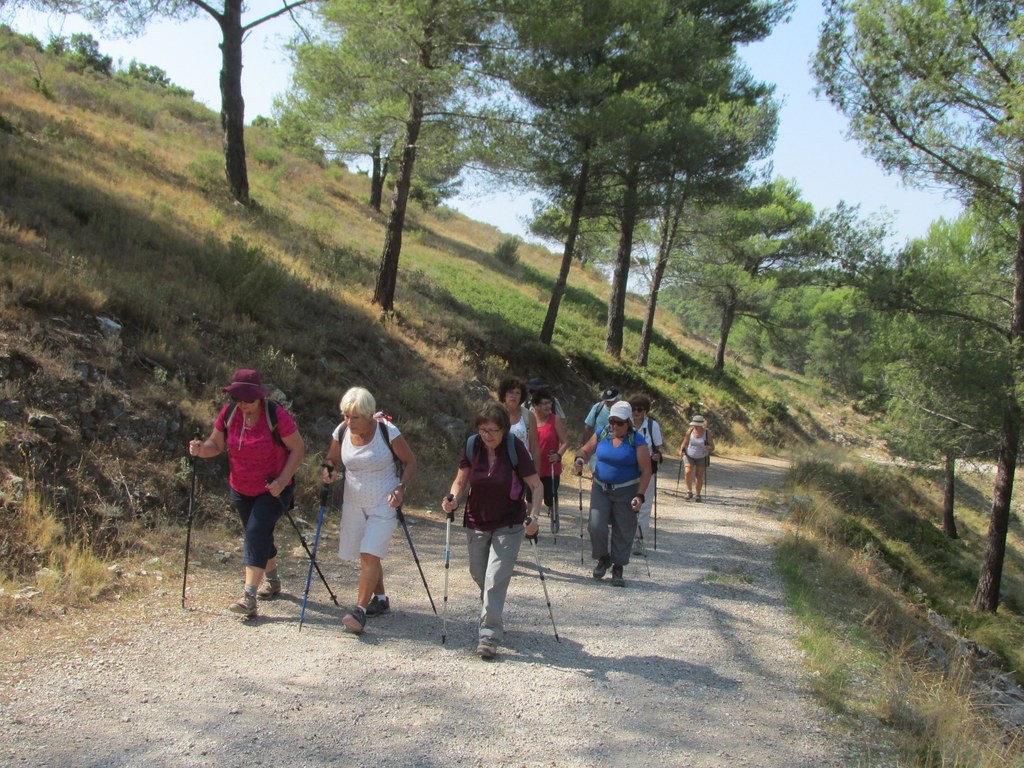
(253, 454)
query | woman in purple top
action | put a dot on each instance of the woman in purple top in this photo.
(621, 475)
(495, 514)
(262, 468)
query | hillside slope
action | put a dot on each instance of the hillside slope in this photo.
(132, 287)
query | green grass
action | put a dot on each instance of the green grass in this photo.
(863, 561)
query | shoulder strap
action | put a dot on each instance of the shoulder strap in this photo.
(510, 445)
(270, 409)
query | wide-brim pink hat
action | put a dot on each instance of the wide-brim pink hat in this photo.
(246, 385)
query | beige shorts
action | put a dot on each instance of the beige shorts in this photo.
(366, 530)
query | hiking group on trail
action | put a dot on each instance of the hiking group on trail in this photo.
(508, 470)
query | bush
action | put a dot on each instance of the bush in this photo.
(507, 251)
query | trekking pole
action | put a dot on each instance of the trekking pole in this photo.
(405, 527)
(643, 546)
(580, 476)
(654, 515)
(707, 463)
(325, 495)
(679, 473)
(312, 557)
(555, 525)
(188, 535)
(447, 560)
(544, 583)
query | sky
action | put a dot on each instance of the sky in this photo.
(811, 148)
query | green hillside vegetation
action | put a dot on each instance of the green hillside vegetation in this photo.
(113, 204)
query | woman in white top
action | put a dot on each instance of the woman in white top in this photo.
(696, 447)
(512, 395)
(376, 478)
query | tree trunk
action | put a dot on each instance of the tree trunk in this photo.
(669, 227)
(376, 180)
(986, 596)
(547, 331)
(387, 272)
(948, 496)
(728, 316)
(232, 105)
(620, 278)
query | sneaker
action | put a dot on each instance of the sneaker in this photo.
(602, 567)
(617, 580)
(377, 606)
(355, 620)
(244, 606)
(268, 589)
(698, 498)
(487, 649)
(689, 496)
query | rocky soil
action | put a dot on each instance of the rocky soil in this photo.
(692, 666)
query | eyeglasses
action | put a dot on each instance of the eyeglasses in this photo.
(617, 422)
(484, 432)
(243, 402)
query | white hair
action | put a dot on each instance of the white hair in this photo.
(358, 401)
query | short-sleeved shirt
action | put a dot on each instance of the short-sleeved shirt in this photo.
(370, 471)
(598, 416)
(254, 456)
(651, 430)
(617, 465)
(496, 493)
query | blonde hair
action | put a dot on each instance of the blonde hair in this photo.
(358, 401)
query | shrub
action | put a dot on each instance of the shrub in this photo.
(507, 251)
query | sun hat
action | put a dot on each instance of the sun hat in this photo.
(610, 394)
(246, 385)
(536, 383)
(697, 421)
(621, 410)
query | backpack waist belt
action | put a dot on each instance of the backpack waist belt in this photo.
(615, 486)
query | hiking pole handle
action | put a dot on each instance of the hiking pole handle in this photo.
(325, 494)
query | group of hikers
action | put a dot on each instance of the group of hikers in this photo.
(508, 472)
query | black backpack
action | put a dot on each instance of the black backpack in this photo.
(270, 408)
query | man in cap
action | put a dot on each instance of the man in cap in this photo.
(597, 419)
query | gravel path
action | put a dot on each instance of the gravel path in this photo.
(693, 667)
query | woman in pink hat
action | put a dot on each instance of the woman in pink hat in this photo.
(264, 452)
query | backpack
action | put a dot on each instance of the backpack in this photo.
(518, 487)
(607, 432)
(381, 418)
(510, 444)
(270, 408)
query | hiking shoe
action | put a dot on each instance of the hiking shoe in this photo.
(244, 606)
(378, 606)
(355, 620)
(268, 589)
(698, 498)
(487, 649)
(617, 580)
(602, 567)
(689, 496)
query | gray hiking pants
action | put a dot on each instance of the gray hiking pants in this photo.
(612, 508)
(492, 558)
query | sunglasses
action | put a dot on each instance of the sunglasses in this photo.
(243, 402)
(616, 422)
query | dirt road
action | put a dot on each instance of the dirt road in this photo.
(694, 666)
